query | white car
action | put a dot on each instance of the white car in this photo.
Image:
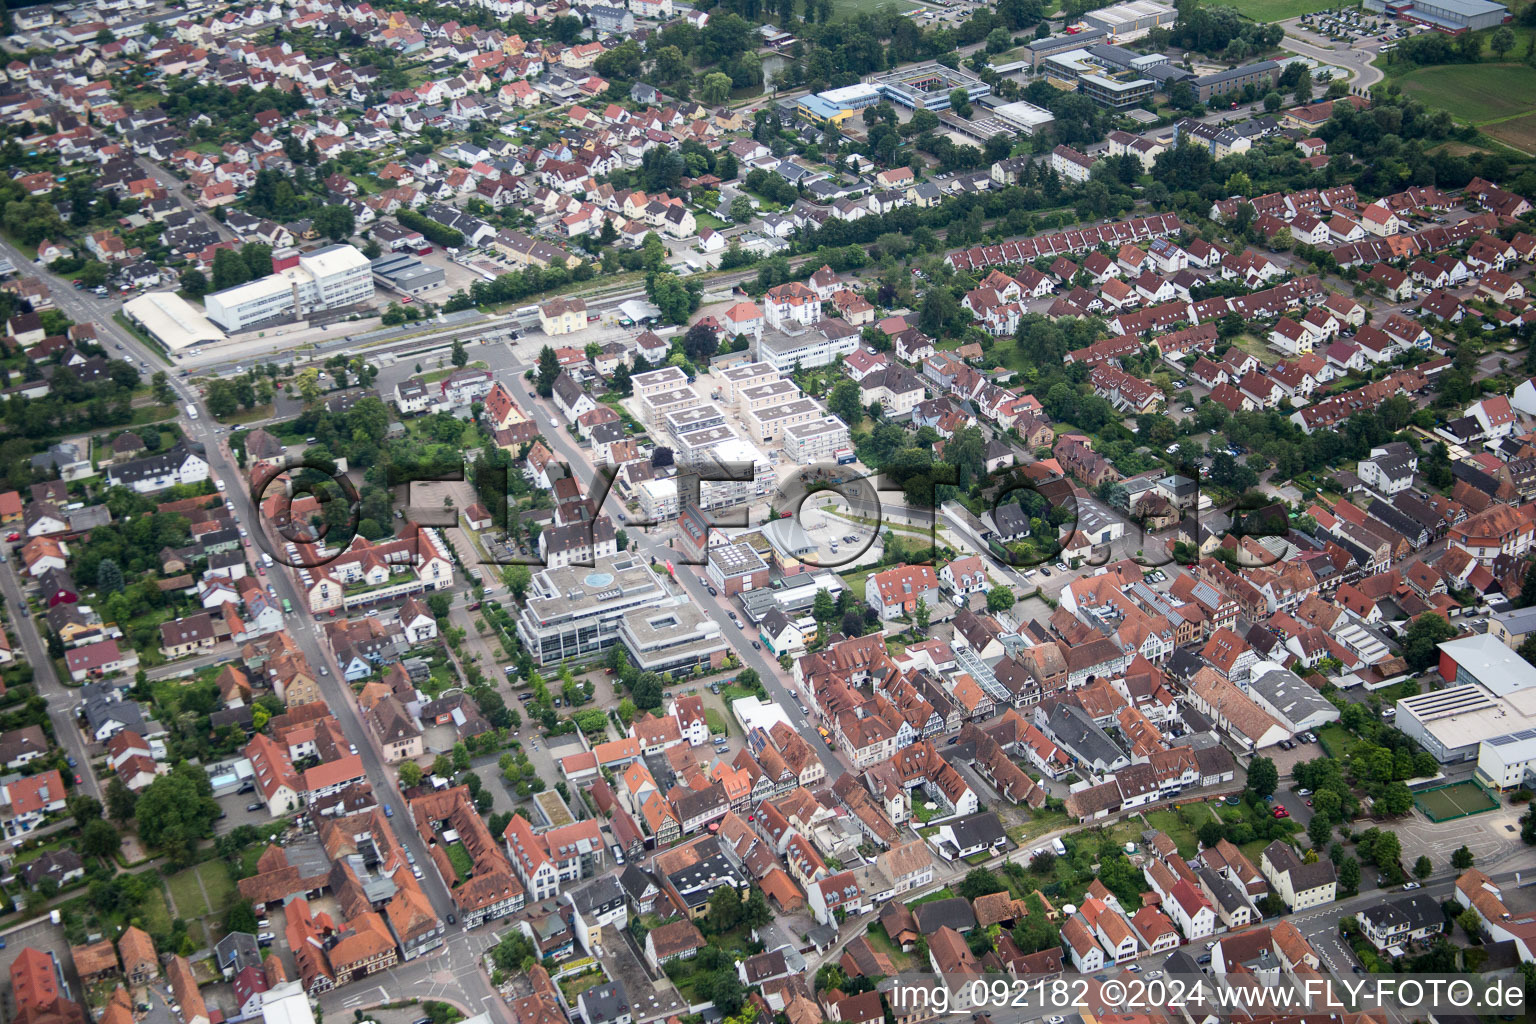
(1410, 886)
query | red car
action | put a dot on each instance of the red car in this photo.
(261, 570)
(1281, 812)
(77, 780)
(14, 536)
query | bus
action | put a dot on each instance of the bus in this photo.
(191, 412)
(287, 607)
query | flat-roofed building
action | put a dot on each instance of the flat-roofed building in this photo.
(696, 444)
(817, 440)
(171, 320)
(1453, 16)
(1451, 723)
(736, 568)
(576, 611)
(654, 407)
(694, 417)
(673, 638)
(928, 86)
(768, 425)
(1132, 20)
(807, 348)
(747, 375)
(764, 396)
(300, 283)
(652, 382)
(1507, 761)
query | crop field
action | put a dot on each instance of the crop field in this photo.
(1475, 93)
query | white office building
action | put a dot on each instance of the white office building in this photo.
(301, 283)
(576, 612)
(785, 352)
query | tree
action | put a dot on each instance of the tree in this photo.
(715, 89)
(109, 577)
(519, 578)
(748, 677)
(335, 222)
(1421, 643)
(99, 838)
(194, 282)
(549, 369)
(458, 356)
(1502, 41)
(515, 952)
(1349, 874)
(741, 209)
(920, 615)
(1462, 859)
(121, 801)
(981, 882)
(1000, 598)
(229, 269)
(1318, 831)
(1422, 868)
(724, 909)
(176, 810)
(1303, 90)
(846, 404)
(1470, 922)
(1263, 777)
(823, 607)
(700, 343)
(410, 774)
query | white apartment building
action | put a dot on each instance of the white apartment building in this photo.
(301, 283)
(817, 440)
(791, 303)
(766, 396)
(749, 375)
(768, 425)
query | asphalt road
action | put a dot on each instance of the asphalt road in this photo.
(61, 700)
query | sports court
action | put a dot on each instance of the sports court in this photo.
(1458, 800)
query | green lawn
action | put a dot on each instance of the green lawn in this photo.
(1278, 10)
(881, 943)
(463, 864)
(155, 914)
(1475, 93)
(718, 726)
(1170, 822)
(938, 894)
(1336, 741)
(436, 375)
(188, 894)
(845, 9)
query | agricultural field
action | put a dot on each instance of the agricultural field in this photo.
(1475, 93)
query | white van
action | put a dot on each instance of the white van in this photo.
(266, 559)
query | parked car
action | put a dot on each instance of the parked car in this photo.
(255, 805)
